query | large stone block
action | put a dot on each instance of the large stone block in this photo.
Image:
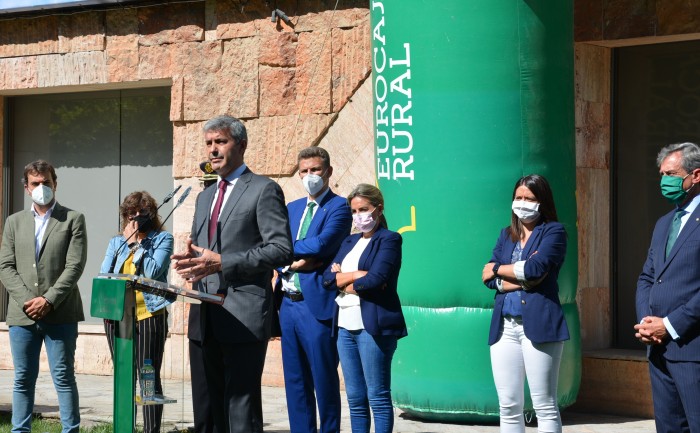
(592, 70)
(198, 64)
(313, 73)
(92, 351)
(81, 32)
(182, 218)
(278, 49)
(594, 308)
(629, 18)
(237, 80)
(88, 67)
(178, 317)
(122, 58)
(593, 224)
(171, 23)
(274, 142)
(29, 37)
(626, 372)
(277, 91)
(154, 62)
(351, 62)
(678, 17)
(18, 73)
(588, 20)
(235, 20)
(188, 149)
(328, 19)
(350, 142)
(272, 372)
(592, 134)
(176, 99)
(121, 22)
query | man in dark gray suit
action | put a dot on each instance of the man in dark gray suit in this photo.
(239, 235)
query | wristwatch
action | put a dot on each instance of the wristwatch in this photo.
(495, 268)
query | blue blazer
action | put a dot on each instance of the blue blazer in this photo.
(670, 287)
(543, 317)
(155, 252)
(379, 298)
(329, 226)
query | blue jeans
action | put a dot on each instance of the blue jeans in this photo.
(366, 363)
(25, 343)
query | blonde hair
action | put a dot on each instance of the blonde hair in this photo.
(373, 195)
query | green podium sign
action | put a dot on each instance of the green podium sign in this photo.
(115, 299)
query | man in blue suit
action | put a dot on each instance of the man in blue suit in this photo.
(319, 223)
(668, 295)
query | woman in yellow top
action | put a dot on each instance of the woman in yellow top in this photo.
(144, 249)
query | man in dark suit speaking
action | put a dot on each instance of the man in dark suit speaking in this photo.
(668, 295)
(239, 235)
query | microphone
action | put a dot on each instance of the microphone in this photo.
(140, 225)
(170, 196)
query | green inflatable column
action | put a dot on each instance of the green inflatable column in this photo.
(469, 95)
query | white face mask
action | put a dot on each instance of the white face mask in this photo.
(364, 222)
(526, 211)
(42, 195)
(313, 183)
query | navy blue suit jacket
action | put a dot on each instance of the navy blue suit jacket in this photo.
(544, 252)
(670, 287)
(329, 226)
(379, 298)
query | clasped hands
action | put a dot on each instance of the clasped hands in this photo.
(651, 331)
(196, 262)
(37, 308)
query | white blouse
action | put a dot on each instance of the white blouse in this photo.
(350, 315)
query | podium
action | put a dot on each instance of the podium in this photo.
(113, 298)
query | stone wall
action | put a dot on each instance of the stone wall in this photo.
(605, 20)
(599, 27)
(294, 85)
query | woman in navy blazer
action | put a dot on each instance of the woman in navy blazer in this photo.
(528, 328)
(368, 313)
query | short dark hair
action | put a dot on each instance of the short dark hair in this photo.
(315, 152)
(539, 187)
(39, 167)
(234, 127)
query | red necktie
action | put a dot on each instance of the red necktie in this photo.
(214, 220)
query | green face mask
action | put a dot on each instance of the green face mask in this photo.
(672, 188)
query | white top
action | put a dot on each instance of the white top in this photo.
(231, 179)
(289, 276)
(40, 227)
(350, 315)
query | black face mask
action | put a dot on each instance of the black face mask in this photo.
(144, 223)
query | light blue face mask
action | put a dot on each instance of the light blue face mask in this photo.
(672, 188)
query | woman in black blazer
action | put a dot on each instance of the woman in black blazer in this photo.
(368, 314)
(528, 328)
